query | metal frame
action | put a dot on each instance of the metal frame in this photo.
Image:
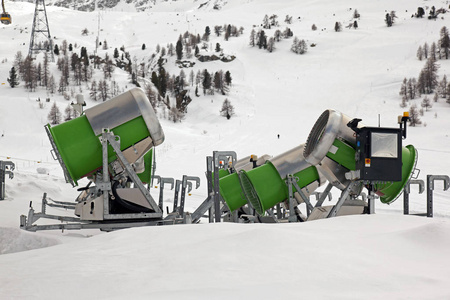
(162, 181)
(40, 26)
(103, 186)
(3, 173)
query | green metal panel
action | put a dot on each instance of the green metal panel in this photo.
(231, 192)
(146, 176)
(345, 154)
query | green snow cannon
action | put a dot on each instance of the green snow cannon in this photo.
(265, 186)
(129, 116)
(230, 186)
(331, 146)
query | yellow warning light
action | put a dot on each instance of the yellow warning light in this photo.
(156, 186)
(406, 114)
(190, 194)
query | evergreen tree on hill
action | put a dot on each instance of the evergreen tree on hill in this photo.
(13, 80)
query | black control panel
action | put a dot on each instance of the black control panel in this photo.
(379, 153)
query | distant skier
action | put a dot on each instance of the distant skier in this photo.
(278, 136)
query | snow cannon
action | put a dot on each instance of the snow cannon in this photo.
(129, 116)
(265, 186)
(343, 150)
(229, 184)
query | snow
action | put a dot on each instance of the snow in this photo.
(358, 72)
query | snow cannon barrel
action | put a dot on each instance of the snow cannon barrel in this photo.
(331, 146)
(229, 184)
(129, 116)
(231, 192)
(265, 186)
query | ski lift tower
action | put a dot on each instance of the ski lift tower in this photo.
(41, 40)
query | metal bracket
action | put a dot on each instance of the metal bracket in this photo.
(344, 196)
(163, 180)
(320, 197)
(114, 141)
(3, 172)
(407, 191)
(292, 181)
(430, 189)
(188, 184)
(217, 155)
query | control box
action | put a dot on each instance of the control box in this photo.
(379, 153)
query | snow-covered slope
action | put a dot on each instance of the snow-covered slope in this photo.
(358, 72)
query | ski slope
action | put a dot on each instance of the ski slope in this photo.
(357, 72)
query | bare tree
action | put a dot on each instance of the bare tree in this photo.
(414, 118)
(54, 116)
(227, 109)
(426, 103)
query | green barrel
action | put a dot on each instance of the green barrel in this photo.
(391, 191)
(81, 150)
(231, 192)
(264, 188)
(129, 116)
(146, 176)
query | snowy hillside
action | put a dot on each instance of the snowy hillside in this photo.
(356, 71)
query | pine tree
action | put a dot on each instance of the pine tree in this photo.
(388, 20)
(294, 47)
(252, 38)
(206, 81)
(433, 50)
(412, 88)
(425, 50)
(29, 74)
(261, 39)
(56, 50)
(271, 44)
(404, 88)
(45, 71)
(228, 78)
(93, 93)
(266, 24)
(13, 80)
(68, 113)
(420, 53)
(54, 116)
(403, 103)
(443, 87)
(227, 109)
(51, 84)
(414, 118)
(338, 26)
(444, 41)
(179, 48)
(426, 103)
